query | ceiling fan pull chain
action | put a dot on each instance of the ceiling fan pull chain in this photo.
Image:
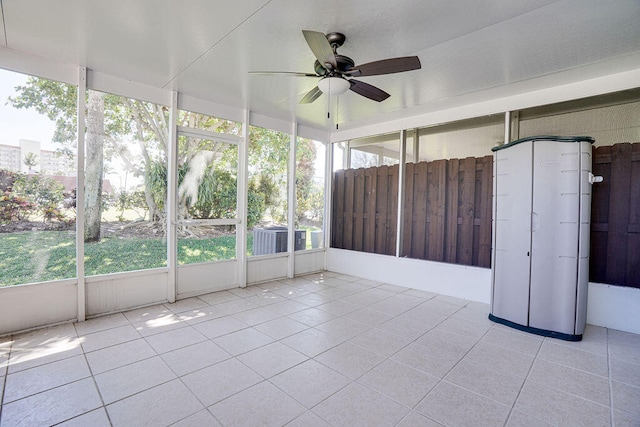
(337, 111)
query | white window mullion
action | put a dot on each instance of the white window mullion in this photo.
(242, 202)
(292, 201)
(82, 298)
(172, 191)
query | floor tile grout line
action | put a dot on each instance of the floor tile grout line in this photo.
(40, 365)
(4, 378)
(515, 401)
(293, 397)
(95, 384)
(457, 363)
(47, 390)
(610, 382)
(542, 357)
(206, 408)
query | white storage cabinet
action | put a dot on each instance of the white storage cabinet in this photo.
(540, 257)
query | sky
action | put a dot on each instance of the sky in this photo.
(16, 124)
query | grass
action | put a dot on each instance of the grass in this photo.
(39, 256)
(29, 257)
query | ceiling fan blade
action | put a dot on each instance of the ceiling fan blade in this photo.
(320, 47)
(287, 73)
(311, 96)
(368, 91)
(386, 66)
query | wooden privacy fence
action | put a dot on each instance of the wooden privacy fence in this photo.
(615, 216)
(447, 211)
(365, 205)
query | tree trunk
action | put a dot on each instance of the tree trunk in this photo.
(94, 166)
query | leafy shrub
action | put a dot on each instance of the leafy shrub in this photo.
(14, 207)
(7, 178)
(52, 213)
(39, 190)
(130, 200)
(38, 194)
(216, 193)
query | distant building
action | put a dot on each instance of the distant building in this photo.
(10, 157)
(47, 162)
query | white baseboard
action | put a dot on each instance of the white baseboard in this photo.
(615, 307)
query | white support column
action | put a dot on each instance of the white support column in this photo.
(82, 295)
(328, 198)
(515, 125)
(416, 145)
(511, 126)
(172, 191)
(292, 201)
(402, 166)
(243, 202)
(346, 158)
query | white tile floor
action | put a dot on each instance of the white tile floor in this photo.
(323, 349)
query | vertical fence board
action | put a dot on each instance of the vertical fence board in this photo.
(392, 209)
(633, 250)
(486, 191)
(451, 246)
(466, 210)
(600, 214)
(419, 211)
(358, 191)
(381, 210)
(408, 210)
(370, 194)
(348, 208)
(338, 209)
(435, 210)
(618, 224)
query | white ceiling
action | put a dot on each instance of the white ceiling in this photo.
(206, 48)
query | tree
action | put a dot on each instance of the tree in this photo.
(30, 160)
(114, 123)
(305, 170)
(111, 120)
(94, 167)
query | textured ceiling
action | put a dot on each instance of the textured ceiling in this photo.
(206, 48)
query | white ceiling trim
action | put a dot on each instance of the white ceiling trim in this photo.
(25, 63)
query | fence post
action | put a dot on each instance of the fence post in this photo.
(401, 172)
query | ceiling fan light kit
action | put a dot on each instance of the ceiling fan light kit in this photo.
(334, 85)
(333, 69)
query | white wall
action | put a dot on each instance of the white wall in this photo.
(29, 306)
(309, 261)
(123, 291)
(472, 283)
(613, 307)
(267, 267)
(199, 279)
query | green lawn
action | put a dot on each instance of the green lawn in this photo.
(29, 257)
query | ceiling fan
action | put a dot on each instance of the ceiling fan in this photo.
(336, 71)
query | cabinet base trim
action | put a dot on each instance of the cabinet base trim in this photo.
(543, 332)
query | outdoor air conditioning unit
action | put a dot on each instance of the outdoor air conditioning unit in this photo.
(271, 240)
